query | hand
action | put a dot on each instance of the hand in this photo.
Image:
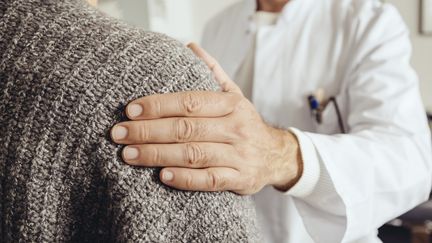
(208, 141)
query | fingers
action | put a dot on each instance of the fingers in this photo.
(189, 155)
(174, 130)
(185, 104)
(211, 179)
(224, 80)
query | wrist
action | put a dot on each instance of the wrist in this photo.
(290, 165)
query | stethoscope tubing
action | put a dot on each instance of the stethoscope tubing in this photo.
(318, 108)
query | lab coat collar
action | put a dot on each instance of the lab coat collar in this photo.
(290, 12)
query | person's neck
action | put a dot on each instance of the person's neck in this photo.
(274, 6)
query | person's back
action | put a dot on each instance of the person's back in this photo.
(66, 73)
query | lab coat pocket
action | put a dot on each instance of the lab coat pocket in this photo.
(329, 119)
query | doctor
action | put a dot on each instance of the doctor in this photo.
(311, 182)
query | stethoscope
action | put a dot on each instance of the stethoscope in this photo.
(318, 107)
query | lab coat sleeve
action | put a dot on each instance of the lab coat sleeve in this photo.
(311, 169)
(382, 167)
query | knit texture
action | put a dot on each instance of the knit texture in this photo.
(66, 74)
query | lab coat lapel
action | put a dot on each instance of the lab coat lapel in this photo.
(242, 32)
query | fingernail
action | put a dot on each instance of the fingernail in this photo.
(130, 153)
(167, 175)
(119, 132)
(135, 110)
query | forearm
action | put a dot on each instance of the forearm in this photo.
(361, 181)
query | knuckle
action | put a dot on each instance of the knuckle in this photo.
(156, 157)
(183, 129)
(191, 104)
(189, 182)
(143, 132)
(154, 108)
(215, 181)
(212, 64)
(241, 131)
(242, 153)
(195, 155)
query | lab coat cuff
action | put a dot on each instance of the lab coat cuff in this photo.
(311, 166)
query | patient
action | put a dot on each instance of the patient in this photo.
(66, 73)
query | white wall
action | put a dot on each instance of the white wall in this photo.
(203, 11)
(131, 11)
(422, 56)
(181, 19)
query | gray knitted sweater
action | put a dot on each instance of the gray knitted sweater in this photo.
(66, 74)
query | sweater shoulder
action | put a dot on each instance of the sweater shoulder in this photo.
(66, 75)
(69, 53)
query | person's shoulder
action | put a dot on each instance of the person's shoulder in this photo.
(370, 27)
(367, 19)
(68, 47)
(364, 9)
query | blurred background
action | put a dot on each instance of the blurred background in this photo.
(185, 20)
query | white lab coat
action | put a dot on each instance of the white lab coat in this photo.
(358, 51)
